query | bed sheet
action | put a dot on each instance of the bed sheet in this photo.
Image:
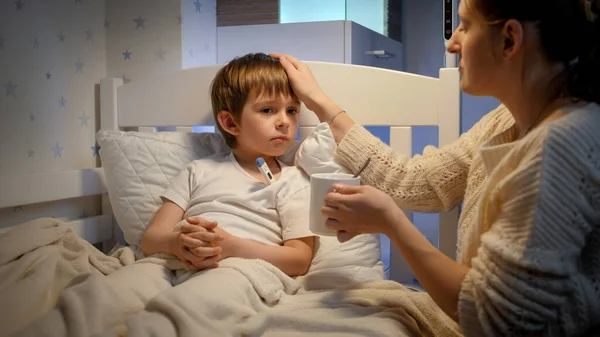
(99, 295)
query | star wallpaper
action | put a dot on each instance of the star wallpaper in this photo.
(53, 55)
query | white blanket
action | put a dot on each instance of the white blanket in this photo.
(115, 297)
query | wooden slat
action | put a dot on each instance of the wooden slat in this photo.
(36, 188)
(247, 12)
(93, 229)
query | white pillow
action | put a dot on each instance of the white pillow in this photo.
(138, 166)
(335, 263)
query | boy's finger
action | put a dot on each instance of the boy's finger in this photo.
(208, 263)
(206, 236)
(193, 243)
(206, 251)
(187, 228)
(200, 221)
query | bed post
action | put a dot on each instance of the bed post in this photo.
(449, 131)
(109, 121)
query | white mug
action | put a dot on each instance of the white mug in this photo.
(320, 185)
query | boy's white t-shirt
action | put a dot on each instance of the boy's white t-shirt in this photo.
(218, 189)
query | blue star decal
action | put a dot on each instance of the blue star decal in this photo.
(89, 35)
(106, 23)
(30, 153)
(19, 4)
(61, 37)
(57, 149)
(127, 55)
(79, 66)
(35, 43)
(2, 40)
(206, 47)
(180, 19)
(48, 75)
(62, 102)
(95, 150)
(198, 5)
(126, 79)
(160, 54)
(84, 119)
(11, 88)
(31, 118)
(191, 51)
(139, 22)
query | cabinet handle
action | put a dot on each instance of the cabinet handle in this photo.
(380, 53)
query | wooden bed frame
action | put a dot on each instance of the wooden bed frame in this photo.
(372, 96)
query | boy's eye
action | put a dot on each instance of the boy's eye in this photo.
(292, 111)
(266, 110)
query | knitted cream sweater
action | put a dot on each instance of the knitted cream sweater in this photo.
(534, 246)
(438, 180)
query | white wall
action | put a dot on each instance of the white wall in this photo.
(52, 57)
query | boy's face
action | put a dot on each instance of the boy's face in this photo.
(268, 125)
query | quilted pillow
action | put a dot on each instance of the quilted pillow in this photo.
(335, 263)
(138, 166)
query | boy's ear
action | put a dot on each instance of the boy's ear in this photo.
(227, 123)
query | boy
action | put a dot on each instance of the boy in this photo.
(242, 213)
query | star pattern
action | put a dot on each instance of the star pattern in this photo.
(79, 66)
(57, 149)
(11, 89)
(126, 55)
(95, 150)
(84, 119)
(160, 54)
(139, 22)
(89, 35)
(65, 44)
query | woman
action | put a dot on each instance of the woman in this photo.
(529, 260)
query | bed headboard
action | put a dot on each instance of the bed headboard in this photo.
(372, 96)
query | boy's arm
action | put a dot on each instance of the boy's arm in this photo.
(293, 258)
(159, 236)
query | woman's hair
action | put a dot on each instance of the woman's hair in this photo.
(234, 83)
(569, 32)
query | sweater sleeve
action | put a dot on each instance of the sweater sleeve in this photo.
(525, 279)
(432, 182)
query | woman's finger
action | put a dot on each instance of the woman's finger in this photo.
(187, 228)
(329, 212)
(347, 189)
(332, 224)
(287, 60)
(344, 236)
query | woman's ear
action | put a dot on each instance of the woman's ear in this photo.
(512, 37)
(228, 123)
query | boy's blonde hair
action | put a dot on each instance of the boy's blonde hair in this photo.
(234, 83)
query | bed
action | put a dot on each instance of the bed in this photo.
(178, 102)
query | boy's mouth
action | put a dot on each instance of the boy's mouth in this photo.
(281, 138)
